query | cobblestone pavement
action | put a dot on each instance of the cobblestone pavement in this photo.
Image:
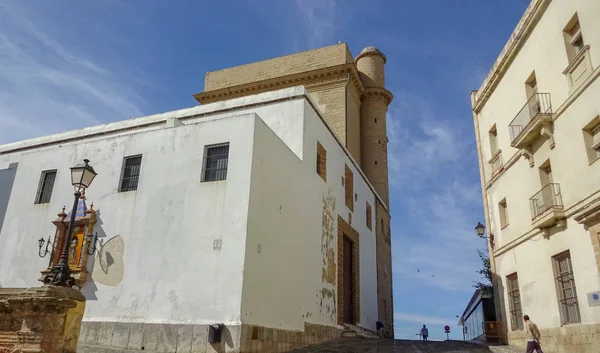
(357, 345)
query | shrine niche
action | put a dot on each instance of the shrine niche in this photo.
(83, 242)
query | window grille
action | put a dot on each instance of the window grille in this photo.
(130, 174)
(216, 158)
(514, 296)
(567, 292)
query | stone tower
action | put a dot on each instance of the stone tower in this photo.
(351, 95)
(375, 100)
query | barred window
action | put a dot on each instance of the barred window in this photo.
(130, 173)
(567, 293)
(514, 297)
(45, 186)
(216, 158)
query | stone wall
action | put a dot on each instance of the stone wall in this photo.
(566, 339)
(384, 270)
(41, 320)
(305, 61)
(153, 338)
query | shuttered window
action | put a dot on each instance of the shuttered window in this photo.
(45, 186)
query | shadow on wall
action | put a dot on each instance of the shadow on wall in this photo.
(226, 343)
(499, 304)
(107, 264)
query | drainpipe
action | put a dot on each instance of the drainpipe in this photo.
(346, 111)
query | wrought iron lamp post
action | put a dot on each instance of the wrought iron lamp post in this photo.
(82, 176)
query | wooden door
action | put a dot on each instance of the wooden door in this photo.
(348, 282)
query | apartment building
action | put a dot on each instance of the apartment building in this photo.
(537, 124)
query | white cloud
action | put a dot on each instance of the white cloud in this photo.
(47, 86)
(320, 19)
(422, 319)
(421, 144)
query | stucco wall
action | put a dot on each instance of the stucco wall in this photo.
(158, 262)
(519, 247)
(291, 279)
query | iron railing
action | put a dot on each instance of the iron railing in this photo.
(565, 279)
(545, 199)
(539, 103)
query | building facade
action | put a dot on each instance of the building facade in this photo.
(251, 211)
(479, 318)
(537, 124)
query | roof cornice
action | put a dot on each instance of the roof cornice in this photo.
(309, 78)
(528, 21)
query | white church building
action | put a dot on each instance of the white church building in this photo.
(247, 212)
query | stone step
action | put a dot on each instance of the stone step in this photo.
(505, 349)
(356, 331)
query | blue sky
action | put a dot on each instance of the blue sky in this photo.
(71, 64)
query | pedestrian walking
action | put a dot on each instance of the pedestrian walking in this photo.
(424, 333)
(533, 336)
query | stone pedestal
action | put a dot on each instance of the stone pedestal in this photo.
(40, 320)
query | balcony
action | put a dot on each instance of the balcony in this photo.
(533, 120)
(547, 207)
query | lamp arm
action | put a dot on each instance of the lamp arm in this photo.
(46, 251)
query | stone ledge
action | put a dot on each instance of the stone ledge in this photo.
(109, 337)
(582, 338)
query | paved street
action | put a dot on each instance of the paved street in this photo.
(393, 346)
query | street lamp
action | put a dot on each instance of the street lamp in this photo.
(82, 176)
(480, 231)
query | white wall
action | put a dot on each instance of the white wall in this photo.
(160, 237)
(544, 52)
(165, 229)
(283, 284)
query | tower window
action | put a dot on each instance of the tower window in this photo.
(375, 162)
(349, 187)
(321, 161)
(375, 120)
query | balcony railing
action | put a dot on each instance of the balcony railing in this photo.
(547, 198)
(539, 103)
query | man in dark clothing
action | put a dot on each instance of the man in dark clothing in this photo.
(424, 333)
